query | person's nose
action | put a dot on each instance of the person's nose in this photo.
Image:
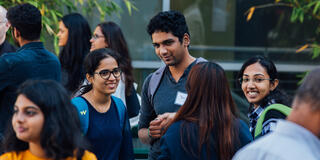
(20, 118)
(112, 77)
(251, 83)
(91, 40)
(163, 50)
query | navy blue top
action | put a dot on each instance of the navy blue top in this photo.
(31, 61)
(108, 141)
(171, 147)
(163, 101)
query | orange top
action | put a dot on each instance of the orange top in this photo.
(27, 155)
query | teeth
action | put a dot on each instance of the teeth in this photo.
(111, 85)
(252, 93)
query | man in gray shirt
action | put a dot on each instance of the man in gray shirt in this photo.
(170, 38)
(298, 137)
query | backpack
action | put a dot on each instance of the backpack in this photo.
(156, 78)
(83, 112)
(277, 107)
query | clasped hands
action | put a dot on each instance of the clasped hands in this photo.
(158, 126)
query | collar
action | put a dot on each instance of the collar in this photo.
(185, 72)
(31, 45)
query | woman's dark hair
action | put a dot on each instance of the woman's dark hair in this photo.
(92, 62)
(277, 94)
(61, 135)
(209, 104)
(78, 46)
(116, 41)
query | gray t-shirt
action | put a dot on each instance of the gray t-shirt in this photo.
(169, 97)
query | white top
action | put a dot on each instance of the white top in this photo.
(289, 141)
(121, 90)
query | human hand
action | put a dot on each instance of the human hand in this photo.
(167, 118)
(155, 130)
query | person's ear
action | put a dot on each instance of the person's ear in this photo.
(16, 32)
(186, 40)
(89, 78)
(7, 26)
(274, 84)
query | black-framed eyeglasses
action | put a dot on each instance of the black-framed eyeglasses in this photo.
(254, 80)
(105, 74)
(95, 36)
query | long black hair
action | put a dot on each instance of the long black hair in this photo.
(92, 62)
(78, 46)
(116, 41)
(278, 95)
(61, 136)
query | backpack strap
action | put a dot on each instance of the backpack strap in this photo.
(278, 107)
(154, 83)
(156, 78)
(83, 112)
(121, 110)
(200, 59)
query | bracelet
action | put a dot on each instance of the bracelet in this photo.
(149, 134)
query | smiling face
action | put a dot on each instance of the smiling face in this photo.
(27, 120)
(63, 34)
(98, 40)
(255, 84)
(105, 86)
(168, 47)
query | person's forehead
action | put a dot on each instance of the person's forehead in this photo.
(3, 13)
(159, 37)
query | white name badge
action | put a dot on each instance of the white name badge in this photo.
(180, 98)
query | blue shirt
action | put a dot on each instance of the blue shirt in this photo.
(171, 147)
(108, 141)
(289, 141)
(31, 61)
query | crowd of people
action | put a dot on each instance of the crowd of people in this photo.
(77, 106)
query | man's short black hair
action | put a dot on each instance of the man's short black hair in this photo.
(26, 18)
(169, 21)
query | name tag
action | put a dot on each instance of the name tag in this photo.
(180, 98)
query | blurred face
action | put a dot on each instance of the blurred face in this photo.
(168, 47)
(4, 26)
(63, 34)
(256, 83)
(106, 77)
(27, 120)
(98, 40)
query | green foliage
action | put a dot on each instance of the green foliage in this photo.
(301, 10)
(53, 10)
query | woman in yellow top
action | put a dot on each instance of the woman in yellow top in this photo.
(44, 125)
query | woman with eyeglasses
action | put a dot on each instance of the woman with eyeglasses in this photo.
(103, 117)
(74, 38)
(259, 81)
(109, 35)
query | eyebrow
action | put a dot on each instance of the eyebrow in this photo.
(29, 107)
(164, 41)
(258, 74)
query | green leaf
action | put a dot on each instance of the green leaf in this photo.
(294, 15)
(301, 17)
(98, 7)
(128, 4)
(316, 7)
(316, 52)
